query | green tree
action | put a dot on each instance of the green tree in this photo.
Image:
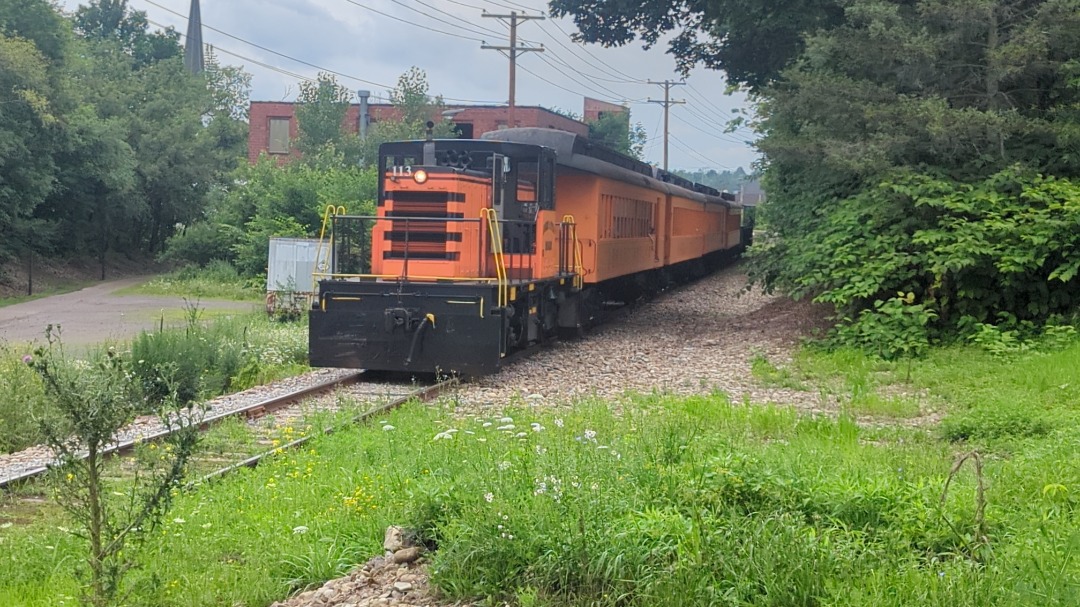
(28, 126)
(320, 113)
(113, 22)
(613, 130)
(750, 40)
(858, 102)
(415, 107)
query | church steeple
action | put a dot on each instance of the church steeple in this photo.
(193, 45)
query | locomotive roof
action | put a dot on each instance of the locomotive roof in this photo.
(578, 152)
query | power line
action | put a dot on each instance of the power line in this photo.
(586, 50)
(291, 58)
(413, 23)
(698, 128)
(476, 29)
(684, 147)
(594, 88)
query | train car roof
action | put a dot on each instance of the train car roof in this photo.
(579, 153)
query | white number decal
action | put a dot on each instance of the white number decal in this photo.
(401, 171)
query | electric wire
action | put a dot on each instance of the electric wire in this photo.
(707, 133)
(719, 130)
(407, 22)
(679, 143)
(475, 29)
(291, 58)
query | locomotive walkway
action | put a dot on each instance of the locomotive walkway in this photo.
(98, 314)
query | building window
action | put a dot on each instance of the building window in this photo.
(279, 136)
(464, 130)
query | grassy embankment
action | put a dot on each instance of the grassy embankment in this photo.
(693, 501)
(219, 280)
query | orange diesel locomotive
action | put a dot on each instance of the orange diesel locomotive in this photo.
(482, 249)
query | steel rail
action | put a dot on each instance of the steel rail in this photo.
(422, 394)
(254, 410)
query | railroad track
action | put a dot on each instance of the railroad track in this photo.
(384, 396)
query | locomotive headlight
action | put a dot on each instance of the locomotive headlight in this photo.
(420, 176)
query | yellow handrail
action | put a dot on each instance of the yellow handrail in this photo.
(579, 269)
(328, 215)
(497, 251)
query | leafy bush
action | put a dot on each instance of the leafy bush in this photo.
(894, 328)
(200, 244)
(266, 200)
(967, 252)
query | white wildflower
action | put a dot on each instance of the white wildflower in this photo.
(489, 497)
(506, 427)
(505, 420)
(443, 436)
(590, 434)
(299, 530)
(559, 422)
(504, 465)
(388, 428)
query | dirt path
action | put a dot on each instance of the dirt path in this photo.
(97, 314)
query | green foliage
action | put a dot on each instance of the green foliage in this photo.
(320, 112)
(992, 250)
(751, 42)
(413, 101)
(200, 243)
(894, 328)
(613, 130)
(209, 359)
(109, 143)
(731, 181)
(671, 501)
(93, 403)
(24, 401)
(217, 280)
(889, 172)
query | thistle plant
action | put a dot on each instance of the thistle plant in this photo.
(94, 401)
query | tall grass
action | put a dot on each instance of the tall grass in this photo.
(201, 359)
(677, 502)
(217, 280)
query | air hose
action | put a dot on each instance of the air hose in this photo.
(428, 318)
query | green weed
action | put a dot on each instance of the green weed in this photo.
(217, 280)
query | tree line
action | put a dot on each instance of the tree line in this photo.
(921, 156)
(106, 142)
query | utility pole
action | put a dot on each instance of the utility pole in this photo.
(512, 51)
(667, 103)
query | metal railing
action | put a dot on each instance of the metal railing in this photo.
(504, 249)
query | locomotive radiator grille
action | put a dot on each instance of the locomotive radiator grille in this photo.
(416, 231)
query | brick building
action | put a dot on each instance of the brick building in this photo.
(273, 126)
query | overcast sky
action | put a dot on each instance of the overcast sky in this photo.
(378, 40)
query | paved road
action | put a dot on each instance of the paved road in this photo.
(96, 314)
